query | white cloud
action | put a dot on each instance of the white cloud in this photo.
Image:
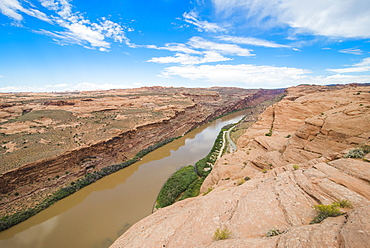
(254, 76)
(175, 47)
(362, 66)
(193, 18)
(341, 79)
(257, 76)
(354, 51)
(77, 29)
(226, 49)
(206, 51)
(334, 18)
(186, 59)
(251, 41)
(11, 8)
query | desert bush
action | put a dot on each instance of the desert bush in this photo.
(273, 232)
(365, 148)
(355, 153)
(221, 234)
(343, 203)
(269, 133)
(295, 167)
(208, 191)
(240, 181)
(325, 211)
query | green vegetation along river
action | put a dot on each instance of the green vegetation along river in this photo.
(98, 214)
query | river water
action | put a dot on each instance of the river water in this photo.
(98, 214)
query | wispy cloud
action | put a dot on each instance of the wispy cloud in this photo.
(205, 51)
(11, 8)
(362, 66)
(226, 49)
(354, 51)
(175, 47)
(251, 41)
(77, 29)
(327, 18)
(198, 45)
(243, 73)
(253, 76)
(202, 26)
(186, 59)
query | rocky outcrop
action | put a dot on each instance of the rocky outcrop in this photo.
(299, 164)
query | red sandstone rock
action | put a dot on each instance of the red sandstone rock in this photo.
(324, 124)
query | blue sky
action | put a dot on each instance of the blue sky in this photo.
(60, 45)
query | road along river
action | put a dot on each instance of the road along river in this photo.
(98, 214)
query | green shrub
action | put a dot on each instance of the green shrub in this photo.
(295, 167)
(325, 211)
(151, 148)
(355, 153)
(209, 190)
(201, 165)
(269, 133)
(221, 234)
(273, 232)
(240, 181)
(365, 148)
(343, 203)
(193, 190)
(176, 185)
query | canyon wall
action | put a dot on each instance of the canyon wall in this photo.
(263, 194)
(29, 183)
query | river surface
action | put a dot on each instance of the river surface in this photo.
(98, 214)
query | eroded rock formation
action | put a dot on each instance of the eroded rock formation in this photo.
(293, 156)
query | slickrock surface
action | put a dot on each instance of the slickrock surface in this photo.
(311, 128)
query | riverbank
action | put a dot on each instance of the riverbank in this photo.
(117, 201)
(186, 182)
(70, 182)
(33, 184)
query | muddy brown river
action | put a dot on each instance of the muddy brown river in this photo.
(98, 214)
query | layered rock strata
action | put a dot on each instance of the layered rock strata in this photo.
(293, 156)
(147, 116)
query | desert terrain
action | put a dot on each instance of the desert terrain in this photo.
(51, 140)
(299, 178)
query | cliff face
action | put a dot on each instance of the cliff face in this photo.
(293, 156)
(158, 114)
